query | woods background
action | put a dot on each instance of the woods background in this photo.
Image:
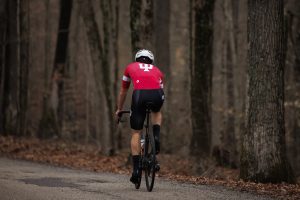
(61, 63)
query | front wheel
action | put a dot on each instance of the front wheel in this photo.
(149, 161)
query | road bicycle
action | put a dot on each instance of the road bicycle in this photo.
(148, 162)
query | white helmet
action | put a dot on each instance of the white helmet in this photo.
(145, 53)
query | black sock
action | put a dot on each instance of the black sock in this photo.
(156, 131)
(136, 162)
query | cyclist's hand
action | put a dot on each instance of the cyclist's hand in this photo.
(117, 112)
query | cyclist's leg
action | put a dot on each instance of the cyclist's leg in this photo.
(156, 117)
(135, 142)
(135, 152)
(137, 118)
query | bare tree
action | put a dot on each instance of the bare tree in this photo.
(141, 24)
(100, 46)
(3, 40)
(292, 83)
(263, 156)
(24, 65)
(14, 65)
(52, 118)
(230, 100)
(296, 128)
(10, 101)
(162, 60)
(201, 74)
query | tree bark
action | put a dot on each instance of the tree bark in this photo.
(24, 66)
(228, 136)
(53, 105)
(11, 80)
(109, 11)
(263, 156)
(3, 41)
(14, 67)
(141, 24)
(228, 93)
(99, 48)
(296, 128)
(201, 75)
(162, 60)
(292, 84)
(114, 29)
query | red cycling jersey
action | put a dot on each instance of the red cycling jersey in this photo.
(144, 76)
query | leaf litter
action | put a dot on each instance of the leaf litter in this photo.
(89, 157)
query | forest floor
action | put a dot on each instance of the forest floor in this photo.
(89, 157)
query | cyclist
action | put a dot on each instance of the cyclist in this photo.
(147, 87)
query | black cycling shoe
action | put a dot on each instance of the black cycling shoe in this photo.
(157, 145)
(135, 177)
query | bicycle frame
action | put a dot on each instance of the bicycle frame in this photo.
(147, 163)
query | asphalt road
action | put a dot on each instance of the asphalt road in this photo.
(27, 180)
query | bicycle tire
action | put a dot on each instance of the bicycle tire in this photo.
(150, 158)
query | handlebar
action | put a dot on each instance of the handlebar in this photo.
(120, 115)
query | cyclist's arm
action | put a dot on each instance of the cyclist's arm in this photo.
(122, 97)
(162, 81)
(123, 91)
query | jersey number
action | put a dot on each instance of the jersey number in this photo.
(145, 67)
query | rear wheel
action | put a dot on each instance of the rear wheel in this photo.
(149, 161)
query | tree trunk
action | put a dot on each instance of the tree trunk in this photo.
(110, 64)
(14, 66)
(292, 84)
(162, 60)
(52, 119)
(141, 24)
(11, 80)
(228, 93)
(228, 136)
(24, 66)
(114, 10)
(201, 75)
(296, 128)
(263, 156)
(3, 41)
(100, 57)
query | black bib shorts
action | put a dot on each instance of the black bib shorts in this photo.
(140, 98)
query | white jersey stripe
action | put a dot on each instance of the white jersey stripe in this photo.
(127, 79)
(161, 84)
